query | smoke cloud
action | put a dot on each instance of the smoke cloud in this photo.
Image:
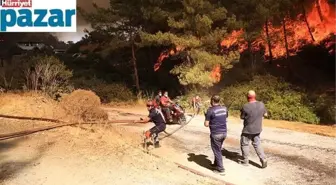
(81, 23)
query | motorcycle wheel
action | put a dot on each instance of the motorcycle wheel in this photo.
(182, 119)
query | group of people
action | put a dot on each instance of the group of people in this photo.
(252, 113)
(164, 102)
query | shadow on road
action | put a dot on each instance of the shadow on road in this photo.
(236, 157)
(10, 168)
(200, 159)
(203, 160)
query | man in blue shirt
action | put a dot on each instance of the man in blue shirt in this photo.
(215, 119)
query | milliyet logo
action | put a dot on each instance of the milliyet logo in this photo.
(38, 16)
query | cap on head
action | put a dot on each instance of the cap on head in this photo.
(215, 99)
(251, 94)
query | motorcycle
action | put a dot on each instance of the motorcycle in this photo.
(178, 114)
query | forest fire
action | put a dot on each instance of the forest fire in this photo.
(287, 39)
(315, 25)
(216, 73)
(166, 54)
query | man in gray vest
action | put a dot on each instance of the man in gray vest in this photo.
(252, 113)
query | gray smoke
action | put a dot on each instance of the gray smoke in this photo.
(81, 23)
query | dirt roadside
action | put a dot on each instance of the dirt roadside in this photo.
(87, 155)
(111, 154)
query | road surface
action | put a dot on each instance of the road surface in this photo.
(294, 157)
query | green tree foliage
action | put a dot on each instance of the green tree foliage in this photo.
(196, 26)
(282, 102)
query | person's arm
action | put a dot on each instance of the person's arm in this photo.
(265, 112)
(145, 120)
(242, 113)
(207, 118)
(148, 118)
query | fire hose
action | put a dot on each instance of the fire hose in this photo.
(60, 124)
(183, 125)
(177, 129)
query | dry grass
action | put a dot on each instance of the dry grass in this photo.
(323, 130)
(78, 106)
(30, 104)
(83, 105)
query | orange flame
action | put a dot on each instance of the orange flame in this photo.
(297, 33)
(163, 55)
(216, 73)
(166, 54)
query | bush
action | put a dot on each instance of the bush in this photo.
(325, 107)
(115, 92)
(281, 100)
(185, 100)
(83, 105)
(47, 73)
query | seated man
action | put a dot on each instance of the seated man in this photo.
(155, 116)
(166, 105)
(157, 100)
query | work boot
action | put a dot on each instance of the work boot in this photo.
(263, 163)
(220, 172)
(214, 165)
(244, 162)
(157, 145)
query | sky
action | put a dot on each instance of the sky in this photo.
(81, 23)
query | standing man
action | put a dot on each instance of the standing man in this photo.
(156, 116)
(215, 118)
(196, 104)
(252, 113)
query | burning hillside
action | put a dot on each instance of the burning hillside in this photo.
(308, 28)
(315, 25)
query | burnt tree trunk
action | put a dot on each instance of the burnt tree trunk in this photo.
(287, 50)
(285, 37)
(252, 63)
(319, 9)
(306, 21)
(268, 42)
(136, 76)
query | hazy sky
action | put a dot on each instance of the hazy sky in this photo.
(81, 24)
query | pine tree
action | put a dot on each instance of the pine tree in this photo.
(194, 30)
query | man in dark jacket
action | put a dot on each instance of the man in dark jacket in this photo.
(216, 118)
(155, 116)
(157, 100)
(252, 113)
